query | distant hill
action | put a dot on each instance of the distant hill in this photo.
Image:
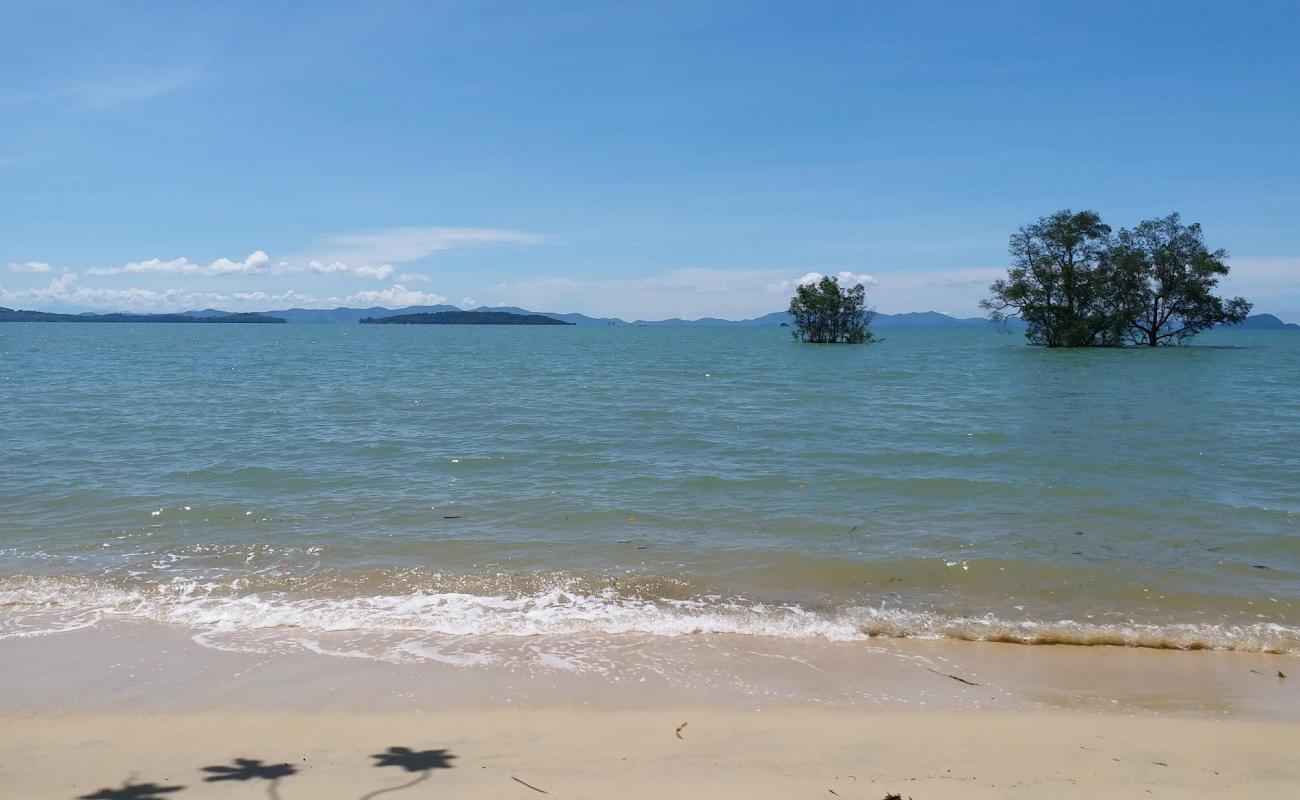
(914, 319)
(464, 318)
(10, 315)
(703, 322)
(927, 319)
(574, 319)
(1264, 322)
(350, 316)
(333, 316)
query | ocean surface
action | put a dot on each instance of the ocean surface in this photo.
(434, 492)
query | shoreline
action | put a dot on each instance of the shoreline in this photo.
(142, 703)
(128, 665)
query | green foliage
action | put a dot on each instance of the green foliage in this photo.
(1076, 285)
(1058, 282)
(826, 313)
(1176, 275)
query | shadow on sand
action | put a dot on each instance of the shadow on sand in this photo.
(421, 761)
(250, 769)
(133, 791)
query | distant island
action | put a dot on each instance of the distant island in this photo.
(10, 315)
(464, 318)
(351, 316)
(1264, 322)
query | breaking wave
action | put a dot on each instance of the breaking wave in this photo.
(45, 605)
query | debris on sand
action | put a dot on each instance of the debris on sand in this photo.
(678, 732)
(954, 677)
(529, 785)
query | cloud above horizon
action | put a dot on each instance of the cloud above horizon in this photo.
(396, 296)
(1271, 283)
(365, 255)
(66, 290)
(256, 263)
(368, 256)
(29, 266)
(401, 245)
(846, 279)
(688, 293)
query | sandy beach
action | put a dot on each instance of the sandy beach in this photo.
(782, 752)
(98, 712)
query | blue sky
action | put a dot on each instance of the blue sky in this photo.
(635, 159)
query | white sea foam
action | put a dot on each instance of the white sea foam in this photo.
(562, 612)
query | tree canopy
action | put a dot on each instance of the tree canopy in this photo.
(1175, 276)
(1076, 285)
(826, 313)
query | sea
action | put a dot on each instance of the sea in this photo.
(441, 492)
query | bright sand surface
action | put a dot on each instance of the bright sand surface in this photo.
(128, 705)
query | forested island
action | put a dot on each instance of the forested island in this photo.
(465, 318)
(10, 315)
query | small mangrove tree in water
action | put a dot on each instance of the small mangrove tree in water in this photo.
(826, 313)
(1074, 284)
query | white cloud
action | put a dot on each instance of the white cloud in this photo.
(256, 263)
(29, 266)
(746, 293)
(468, 302)
(65, 290)
(359, 255)
(401, 245)
(690, 293)
(846, 279)
(381, 272)
(396, 296)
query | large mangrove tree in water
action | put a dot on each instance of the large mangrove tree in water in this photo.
(826, 313)
(1075, 284)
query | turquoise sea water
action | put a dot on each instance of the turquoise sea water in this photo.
(444, 482)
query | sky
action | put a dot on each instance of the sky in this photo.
(641, 160)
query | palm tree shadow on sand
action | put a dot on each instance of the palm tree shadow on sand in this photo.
(421, 761)
(133, 791)
(247, 769)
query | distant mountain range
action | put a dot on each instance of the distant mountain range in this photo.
(351, 316)
(10, 315)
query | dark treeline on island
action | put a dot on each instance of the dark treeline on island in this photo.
(10, 315)
(464, 318)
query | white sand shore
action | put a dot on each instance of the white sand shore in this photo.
(87, 713)
(777, 753)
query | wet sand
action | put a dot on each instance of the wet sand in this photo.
(91, 712)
